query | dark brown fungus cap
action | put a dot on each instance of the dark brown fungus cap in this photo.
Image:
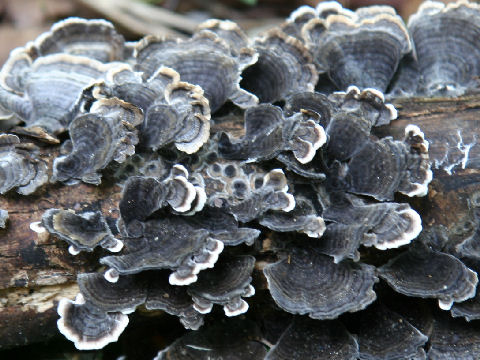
(385, 225)
(383, 334)
(284, 66)
(181, 193)
(105, 134)
(311, 170)
(142, 196)
(347, 134)
(267, 133)
(342, 241)
(430, 274)
(312, 339)
(306, 282)
(225, 339)
(362, 49)
(96, 39)
(231, 33)
(125, 295)
(367, 103)
(303, 218)
(225, 284)
(357, 112)
(83, 232)
(88, 327)
(407, 78)
(469, 309)
(175, 111)
(312, 102)
(263, 135)
(62, 75)
(205, 60)
(224, 227)
(21, 169)
(437, 29)
(299, 17)
(326, 8)
(169, 243)
(405, 166)
(3, 218)
(454, 339)
(174, 300)
(14, 72)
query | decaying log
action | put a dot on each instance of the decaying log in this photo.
(35, 271)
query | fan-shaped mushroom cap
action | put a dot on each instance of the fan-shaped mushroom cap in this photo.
(342, 241)
(63, 75)
(437, 29)
(404, 165)
(174, 300)
(142, 196)
(407, 79)
(263, 135)
(225, 284)
(169, 243)
(205, 60)
(367, 103)
(20, 167)
(295, 21)
(106, 133)
(312, 102)
(267, 133)
(284, 66)
(96, 39)
(88, 327)
(313, 339)
(363, 49)
(125, 295)
(326, 8)
(14, 72)
(430, 274)
(224, 227)
(386, 225)
(356, 113)
(303, 218)
(228, 31)
(306, 282)
(378, 331)
(453, 339)
(469, 309)
(225, 339)
(83, 231)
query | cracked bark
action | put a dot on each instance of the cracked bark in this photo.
(35, 271)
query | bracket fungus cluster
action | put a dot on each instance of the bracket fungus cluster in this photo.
(247, 159)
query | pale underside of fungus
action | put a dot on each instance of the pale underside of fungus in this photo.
(251, 168)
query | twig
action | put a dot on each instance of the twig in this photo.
(141, 18)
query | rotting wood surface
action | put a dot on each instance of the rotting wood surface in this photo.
(36, 271)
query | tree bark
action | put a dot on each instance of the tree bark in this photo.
(36, 270)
